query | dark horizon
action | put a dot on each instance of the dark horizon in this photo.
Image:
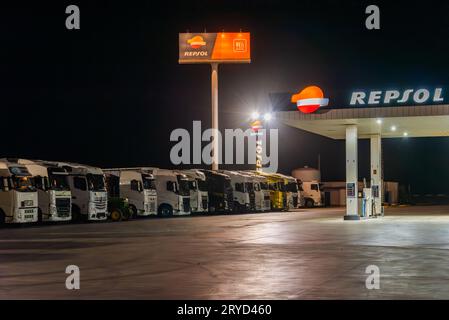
(110, 93)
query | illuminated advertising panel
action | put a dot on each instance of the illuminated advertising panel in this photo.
(222, 47)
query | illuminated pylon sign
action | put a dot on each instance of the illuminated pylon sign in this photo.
(258, 155)
(256, 126)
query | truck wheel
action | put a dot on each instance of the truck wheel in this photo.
(310, 203)
(116, 215)
(165, 210)
(211, 209)
(127, 215)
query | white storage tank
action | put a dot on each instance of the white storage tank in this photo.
(307, 174)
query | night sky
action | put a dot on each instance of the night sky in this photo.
(111, 93)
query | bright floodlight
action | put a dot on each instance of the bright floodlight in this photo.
(255, 115)
(267, 116)
(379, 121)
(405, 134)
(393, 128)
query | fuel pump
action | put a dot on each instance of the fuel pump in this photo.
(367, 203)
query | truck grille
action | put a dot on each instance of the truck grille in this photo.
(63, 206)
(100, 204)
(151, 206)
(252, 201)
(267, 203)
(186, 204)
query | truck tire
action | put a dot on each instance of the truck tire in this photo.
(116, 215)
(127, 214)
(165, 210)
(309, 203)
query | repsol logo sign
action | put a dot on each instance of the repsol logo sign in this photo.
(195, 54)
(414, 96)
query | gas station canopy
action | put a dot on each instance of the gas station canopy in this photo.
(389, 122)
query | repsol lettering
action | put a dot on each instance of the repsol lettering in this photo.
(417, 96)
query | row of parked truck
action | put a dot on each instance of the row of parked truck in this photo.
(51, 191)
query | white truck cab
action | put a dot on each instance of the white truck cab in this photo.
(18, 196)
(261, 191)
(293, 193)
(312, 194)
(199, 197)
(137, 186)
(173, 194)
(53, 191)
(244, 196)
(89, 195)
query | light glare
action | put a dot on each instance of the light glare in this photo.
(255, 115)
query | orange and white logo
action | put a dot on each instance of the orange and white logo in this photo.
(310, 99)
(256, 125)
(196, 42)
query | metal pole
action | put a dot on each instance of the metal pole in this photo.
(214, 83)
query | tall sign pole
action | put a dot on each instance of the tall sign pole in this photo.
(214, 95)
(214, 48)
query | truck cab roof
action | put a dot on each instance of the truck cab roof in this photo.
(76, 168)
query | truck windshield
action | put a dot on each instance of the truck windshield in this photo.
(292, 187)
(227, 185)
(192, 185)
(264, 185)
(95, 182)
(183, 187)
(23, 184)
(282, 187)
(249, 186)
(300, 186)
(58, 182)
(148, 183)
(202, 185)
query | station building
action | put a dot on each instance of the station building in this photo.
(369, 114)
